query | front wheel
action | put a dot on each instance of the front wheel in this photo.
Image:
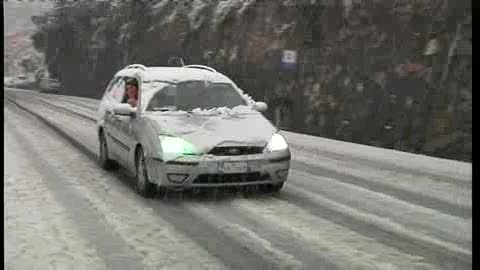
(103, 158)
(143, 186)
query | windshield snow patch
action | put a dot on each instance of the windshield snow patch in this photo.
(222, 110)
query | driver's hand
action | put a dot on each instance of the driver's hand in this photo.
(132, 102)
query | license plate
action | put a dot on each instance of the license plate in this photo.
(210, 167)
(233, 167)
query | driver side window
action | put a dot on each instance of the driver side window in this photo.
(118, 90)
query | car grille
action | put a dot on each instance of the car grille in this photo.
(230, 178)
(236, 150)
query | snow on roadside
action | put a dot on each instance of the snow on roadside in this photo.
(450, 168)
(38, 232)
(248, 238)
(411, 183)
(345, 248)
(415, 217)
(160, 244)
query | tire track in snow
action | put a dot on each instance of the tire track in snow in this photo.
(345, 248)
(399, 190)
(33, 217)
(381, 158)
(110, 246)
(65, 109)
(420, 219)
(160, 244)
(246, 237)
(68, 105)
(87, 104)
(277, 237)
(382, 229)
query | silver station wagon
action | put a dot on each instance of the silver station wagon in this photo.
(189, 127)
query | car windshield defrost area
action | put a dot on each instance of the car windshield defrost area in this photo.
(187, 96)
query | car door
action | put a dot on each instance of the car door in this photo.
(126, 134)
(113, 124)
(106, 102)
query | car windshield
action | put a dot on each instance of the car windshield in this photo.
(189, 95)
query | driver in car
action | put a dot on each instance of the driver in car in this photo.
(131, 95)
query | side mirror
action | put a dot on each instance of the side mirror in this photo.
(124, 109)
(260, 106)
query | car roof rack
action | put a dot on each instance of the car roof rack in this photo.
(201, 67)
(136, 66)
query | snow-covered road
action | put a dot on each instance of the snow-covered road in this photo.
(344, 206)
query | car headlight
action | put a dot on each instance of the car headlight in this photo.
(175, 145)
(277, 143)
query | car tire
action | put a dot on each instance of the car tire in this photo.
(143, 186)
(103, 157)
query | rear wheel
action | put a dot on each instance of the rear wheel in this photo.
(143, 186)
(103, 158)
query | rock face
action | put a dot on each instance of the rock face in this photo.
(394, 74)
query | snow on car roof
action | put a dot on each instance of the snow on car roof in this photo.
(175, 74)
(183, 74)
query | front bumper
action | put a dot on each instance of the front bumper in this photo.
(218, 171)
